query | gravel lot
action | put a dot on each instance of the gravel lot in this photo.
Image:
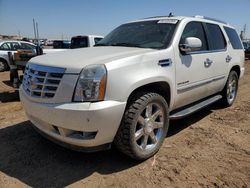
(208, 149)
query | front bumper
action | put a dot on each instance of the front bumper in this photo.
(77, 124)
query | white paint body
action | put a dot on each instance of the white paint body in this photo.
(127, 69)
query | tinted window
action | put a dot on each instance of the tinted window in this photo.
(233, 37)
(195, 29)
(66, 44)
(79, 42)
(97, 40)
(215, 37)
(146, 34)
(15, 46)
(58, 44)
(27, 46)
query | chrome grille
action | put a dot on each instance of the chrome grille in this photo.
(42, 81)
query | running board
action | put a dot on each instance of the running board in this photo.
(194, 108)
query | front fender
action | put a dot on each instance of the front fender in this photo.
(129, 74)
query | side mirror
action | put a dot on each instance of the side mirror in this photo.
(191, 44)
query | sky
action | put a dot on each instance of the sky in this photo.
(66, 18)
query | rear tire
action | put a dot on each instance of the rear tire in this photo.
(144, 126)
(229, 92)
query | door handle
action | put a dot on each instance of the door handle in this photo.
(228, 58)
(208, 62)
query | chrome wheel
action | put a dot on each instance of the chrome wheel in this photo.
(144, 126)
(232, 88)
(2, 66)
(149, 127)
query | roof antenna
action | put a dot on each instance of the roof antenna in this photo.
(170, 14)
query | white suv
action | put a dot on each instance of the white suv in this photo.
(125, 90)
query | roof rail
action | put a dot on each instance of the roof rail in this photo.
(212, 19)
(155, 17)
(170, 15)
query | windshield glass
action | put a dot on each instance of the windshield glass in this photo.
(148, 34)
(79, 42)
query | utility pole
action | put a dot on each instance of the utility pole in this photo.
(244, 31)
(34, 25)
(37, 34)
(245, 28)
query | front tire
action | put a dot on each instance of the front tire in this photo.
(144, 126)
(230, 90)
(3, 65)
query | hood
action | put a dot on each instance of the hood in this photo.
(76, 59)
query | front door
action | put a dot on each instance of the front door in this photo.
(193, 69)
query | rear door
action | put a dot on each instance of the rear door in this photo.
(218, 55)
(26, 46)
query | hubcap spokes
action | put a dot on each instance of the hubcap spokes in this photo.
(231, 90)
(1, 66)
(149, 127)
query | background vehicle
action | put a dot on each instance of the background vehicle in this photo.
(247, 49)
(61, 44)
(127, 88)
(49, 43)
(85, 41)
(13, 46)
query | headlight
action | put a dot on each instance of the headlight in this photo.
(91, 84)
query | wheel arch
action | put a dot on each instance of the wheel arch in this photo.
(3, 59)
(161, 87)
(236, 68)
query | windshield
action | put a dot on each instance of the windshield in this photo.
(79, 42)
(148, 34)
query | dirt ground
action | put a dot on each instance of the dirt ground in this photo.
(208, 149)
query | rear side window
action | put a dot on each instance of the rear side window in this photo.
(79, 42)
(27, 46)
(234, 38)
(195, 29)
(215, 37)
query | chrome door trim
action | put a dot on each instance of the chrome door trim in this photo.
(198, 84)
(206, 51)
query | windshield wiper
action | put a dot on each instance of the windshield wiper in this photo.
(101, 44)
(120, 44)
(126, 44)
